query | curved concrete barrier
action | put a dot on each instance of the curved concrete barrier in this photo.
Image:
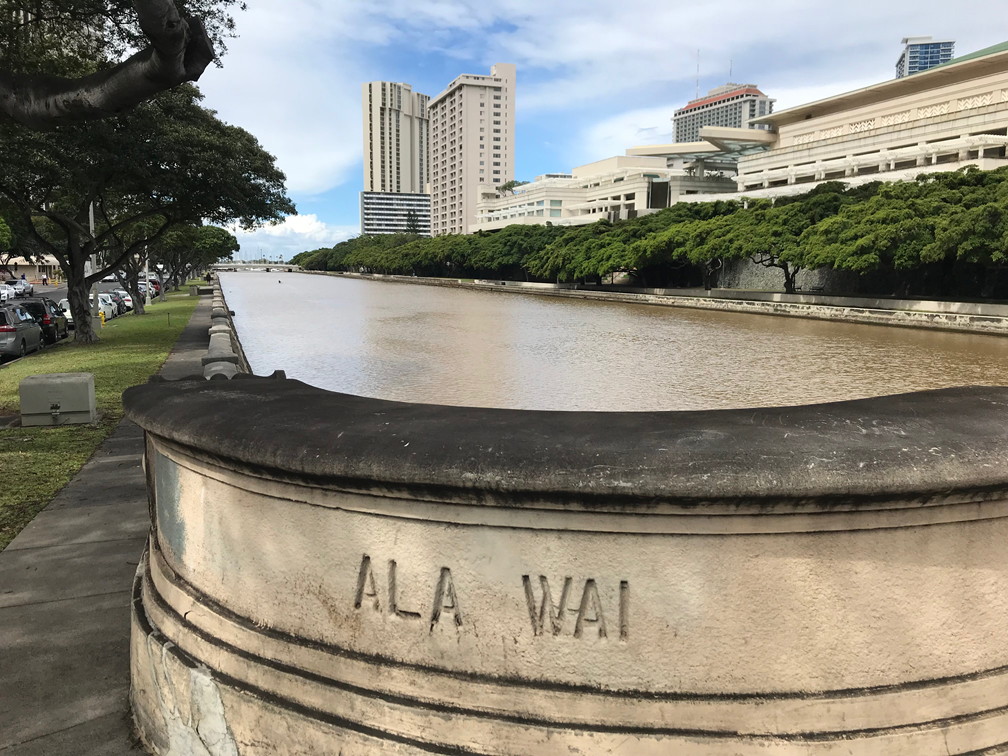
(335, 574)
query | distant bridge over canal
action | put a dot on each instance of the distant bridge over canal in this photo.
(267, 267)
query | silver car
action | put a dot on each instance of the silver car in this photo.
(6, 292)
(19, 333)
(22, 287)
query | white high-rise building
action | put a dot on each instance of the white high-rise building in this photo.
(732, 106)
(472, 144)
(921, 53)
(396, 138)
(396, 159)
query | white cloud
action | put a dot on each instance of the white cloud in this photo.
(293, 75)
(613, 135)
(295, 234)
(292, 80)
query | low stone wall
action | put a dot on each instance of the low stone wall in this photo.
(225, 357)
(335, 574)
(951, 316)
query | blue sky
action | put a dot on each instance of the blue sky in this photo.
(594, 78)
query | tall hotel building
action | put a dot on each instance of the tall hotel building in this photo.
(732, 106)
(921, 53)
(396, 159)
(472, 143)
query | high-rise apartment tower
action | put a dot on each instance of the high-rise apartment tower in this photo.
(922, 53)
(396, 138)
(472, 143)
(396, 158)
(732, 105)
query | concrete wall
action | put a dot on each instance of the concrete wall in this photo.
(335, 574)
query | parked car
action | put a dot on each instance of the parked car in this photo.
(126, 298)
(19, 333)
(64, 304)
(6, 292)
(49, 316)
(22, 287)
(104, 305)
(106, 299)
(117, 301)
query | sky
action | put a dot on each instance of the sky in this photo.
(594, 78)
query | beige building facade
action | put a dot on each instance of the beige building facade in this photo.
(396, 138)
(472, 143)
(940, 119)
(616, 188)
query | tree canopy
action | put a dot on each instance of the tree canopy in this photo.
(945, 234)
(167, 163)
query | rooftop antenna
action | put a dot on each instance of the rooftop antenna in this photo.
(730, 62)
(698, 73)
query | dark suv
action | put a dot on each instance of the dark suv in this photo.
(49, 316)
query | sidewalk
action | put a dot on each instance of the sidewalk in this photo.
(65, 597)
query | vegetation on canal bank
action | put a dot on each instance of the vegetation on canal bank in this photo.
(35, 463)
(943, 235)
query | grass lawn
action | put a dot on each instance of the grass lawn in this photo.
(35, 463)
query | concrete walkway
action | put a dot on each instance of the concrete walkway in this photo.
(65, 597)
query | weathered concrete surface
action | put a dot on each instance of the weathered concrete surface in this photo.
(332, 574)
(65, 599)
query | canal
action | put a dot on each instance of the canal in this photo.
(494, 349)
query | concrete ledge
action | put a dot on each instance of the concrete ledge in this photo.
(219, 368)
(333, 572)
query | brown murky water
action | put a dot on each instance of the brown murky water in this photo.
(447, 346)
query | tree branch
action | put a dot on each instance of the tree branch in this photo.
(180, 51)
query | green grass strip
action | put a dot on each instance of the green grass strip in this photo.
(35, 463)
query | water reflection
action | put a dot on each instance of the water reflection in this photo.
(448, 346)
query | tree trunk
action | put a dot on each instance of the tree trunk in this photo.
(77, 294)
(790, 274)
(133, 287)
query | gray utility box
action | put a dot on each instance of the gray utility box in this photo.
(58, 399)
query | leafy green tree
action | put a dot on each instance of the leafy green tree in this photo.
(6, 237)
(509, 187)
(892, 231)
(185, 249)
(167, 162)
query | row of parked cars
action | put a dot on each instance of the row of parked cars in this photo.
(29, 324)
(15, 288)
(113, 303)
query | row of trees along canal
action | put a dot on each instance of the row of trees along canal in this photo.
(155, 173)
(944, 235)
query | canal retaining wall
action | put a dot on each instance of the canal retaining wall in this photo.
(971, 317)
(336, 574)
